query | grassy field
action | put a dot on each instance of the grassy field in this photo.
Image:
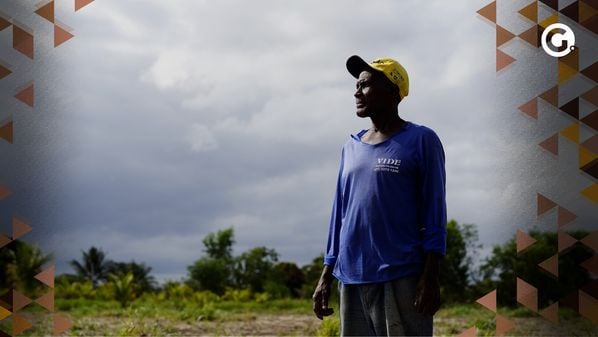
(288, 317)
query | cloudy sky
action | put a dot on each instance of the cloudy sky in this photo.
(179, 118)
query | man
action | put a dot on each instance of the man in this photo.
(388, 225)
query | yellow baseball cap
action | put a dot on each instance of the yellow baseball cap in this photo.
(392, 69)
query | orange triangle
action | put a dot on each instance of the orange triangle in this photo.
(551, 144)
(502, 60)
(489, 11)
(26, 95)
(586, 156)
(19, 324)
(47, 300)
(531, 36)
(61, 324)
(530, 108)
(502, 36)
(565, 216)
(4, 313)
(471, 332)
(61, 35)
(81, 3)
(4, 192)
(19, 228)
(22, 41)
(571, 132)
(591, 193)
(4, 240)
(503, 325)
(551, 96)
(47, 11)
(488, 301)
(47, 276)
(588, 307)
(551, 313)
(19, 301)
(565, 241)
(591, 240)
(591, 264)
(6, 130)
(530, 11)
(549, 21)
(565, 72)
(551, 265)
(4, 71)
(523, 241)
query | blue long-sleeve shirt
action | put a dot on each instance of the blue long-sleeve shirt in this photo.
(389, 209)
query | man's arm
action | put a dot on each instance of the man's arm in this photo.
(322, 293)
(427, 293)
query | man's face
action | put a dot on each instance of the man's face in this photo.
(372, 94)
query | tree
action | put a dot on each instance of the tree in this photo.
(219, 245)
(252, 268)
(20, 262)
(209, 274)
(93, 267)
(455, 268)
(288, 275)
(124, 288)
(141, 274)
(502, 268)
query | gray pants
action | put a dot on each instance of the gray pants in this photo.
(382, 309)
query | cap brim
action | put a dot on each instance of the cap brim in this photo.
(355, 65)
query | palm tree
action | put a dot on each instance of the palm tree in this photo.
(94, 267)
(21, 261)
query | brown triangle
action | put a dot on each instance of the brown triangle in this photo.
(572, 11)
(47, 11)
(554, 4)
(588, 307)
(4, 22)
(530, 11)
(586, 11)
(61, 324)
(565, 241)
(4, 192)
(531, 36)
(565, 216)
(551, 265)
(591, 240)
(4, 71)
(544, 204)
(591, 3)
(61, 35)
(551, 313)
(571, 108)
(591, 72)
(591, 24)
(6, 300)
(551, 95)
(19, 228)
(47, 276)
(6, 130)
(81, 3)
(591, 95)
(590, 144)
(502, 36)
(4, 240)
(19, 324)
(591, 264)
(591, 120)
(22, 41)
(571, 59)
(26, 95)
(590, 168)
(523, 241)
(489, 11)
(488, 301)
(19, 301)
(502, 60)
(530, 108)
(47, 300)
(471, 332)
(503, 325)
(551, 144)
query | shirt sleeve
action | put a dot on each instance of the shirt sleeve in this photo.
(335, 220)
(433, 195)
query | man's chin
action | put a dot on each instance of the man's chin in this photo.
(362, 113)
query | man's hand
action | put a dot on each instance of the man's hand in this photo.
(322, 294)
(427, 292)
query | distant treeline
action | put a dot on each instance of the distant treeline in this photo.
(257, 274)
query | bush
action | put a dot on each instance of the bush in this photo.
(329, 327)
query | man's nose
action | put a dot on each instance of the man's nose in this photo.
(357, 92)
